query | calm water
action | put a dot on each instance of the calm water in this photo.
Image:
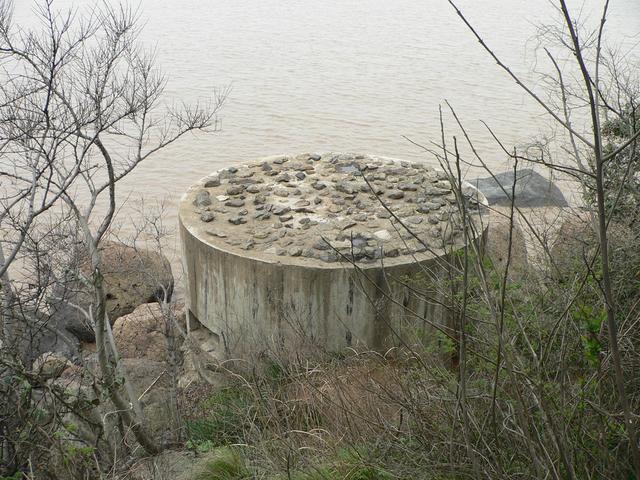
(343, 75)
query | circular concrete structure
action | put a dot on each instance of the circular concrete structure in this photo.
(319, 249)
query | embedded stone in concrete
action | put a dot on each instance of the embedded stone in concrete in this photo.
(297, 243)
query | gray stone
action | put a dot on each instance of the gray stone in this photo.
(280, 209)
(303, 210)
(341, 244)
(382, 235)
(321, 244)
(262, 215)
(444, 184)
(372, 252)
(203, 199)
(427, 207)
(235, 190)
(395, 194)
(143, 334)
(392, 252)
(207, 217)
(431, 190)
(211, 182)
(532, 189)
(347, 225)
(238, 220)
(328, 256)
(234, 202)
(408, 187)
(50, 365)
(346, 187)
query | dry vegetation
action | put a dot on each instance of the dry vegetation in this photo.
(534, 376)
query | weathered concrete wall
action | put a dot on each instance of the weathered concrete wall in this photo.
(245, 284)
(256, 304)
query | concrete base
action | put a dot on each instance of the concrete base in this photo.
(258, 302)
(258, 305)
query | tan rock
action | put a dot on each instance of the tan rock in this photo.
(497, 247)
(143, 333)
(577, 241)
(202, 353)
(151, 383)
(132, 277)
(50, 365)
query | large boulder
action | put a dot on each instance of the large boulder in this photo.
(532, 189)
(145, 332)
(148, 381)
(50, 365)
(151, 383)
(35, 333)
(202, 353)
(142, 373)
(132, 277)
(497, 247)
(577, 242)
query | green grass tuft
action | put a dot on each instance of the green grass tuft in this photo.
(226, 464)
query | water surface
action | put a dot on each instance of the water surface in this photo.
(342, 75)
